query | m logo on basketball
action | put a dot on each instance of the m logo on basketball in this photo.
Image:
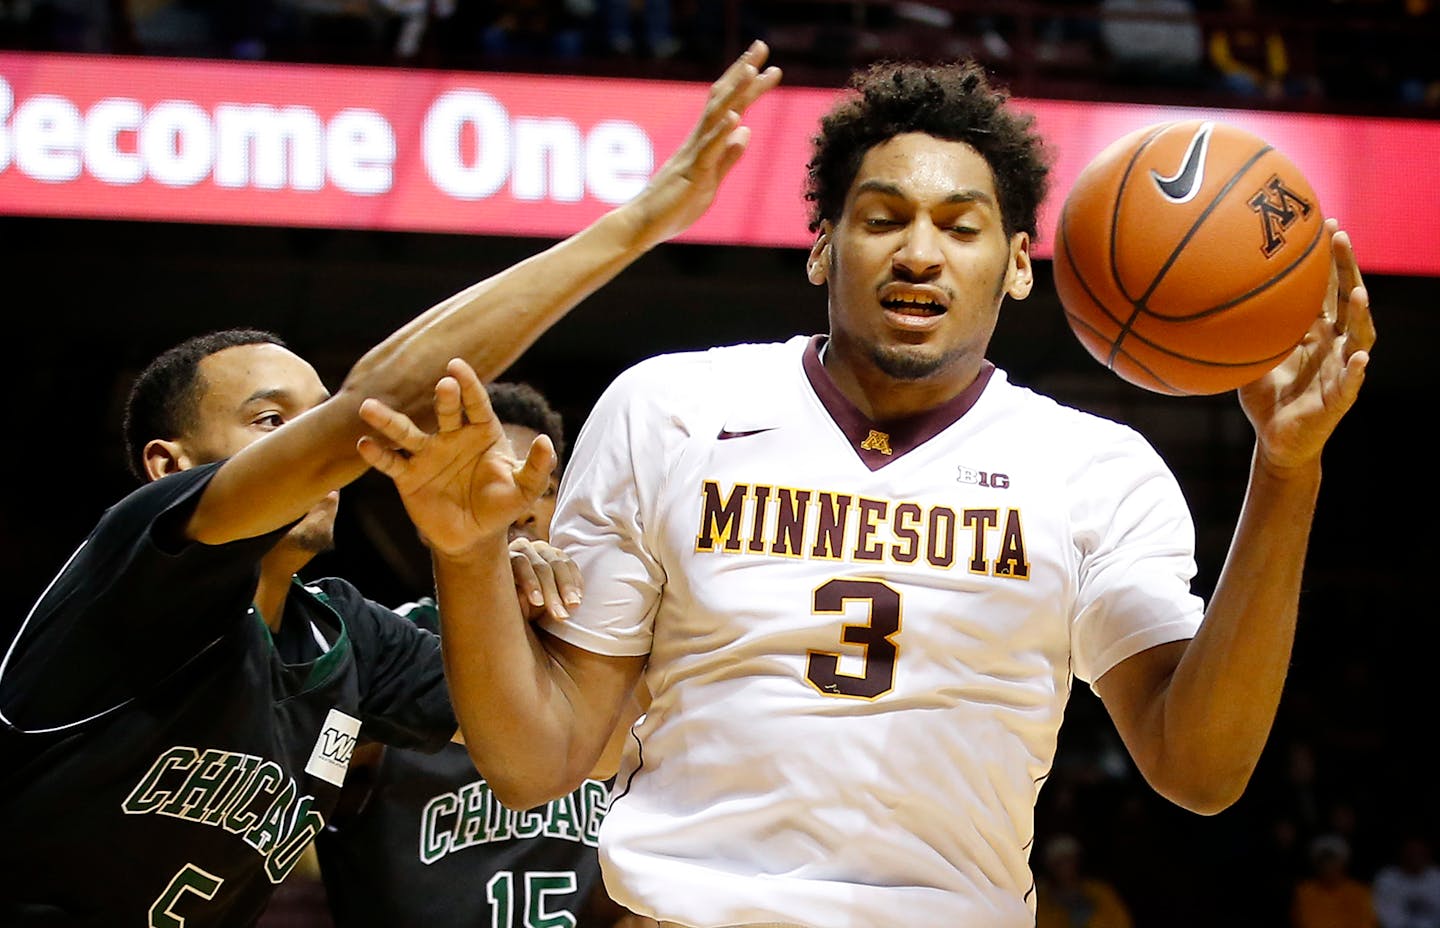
(1279, 207)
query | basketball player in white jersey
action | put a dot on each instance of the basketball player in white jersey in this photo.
(859, 571)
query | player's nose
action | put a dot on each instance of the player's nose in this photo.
(918, 256)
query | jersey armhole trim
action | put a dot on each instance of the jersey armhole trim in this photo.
(14, 642)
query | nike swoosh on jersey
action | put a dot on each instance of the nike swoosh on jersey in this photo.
(1182, 186)
(745, 434)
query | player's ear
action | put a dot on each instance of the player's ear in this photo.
(1020, 276)
(817, 266)
(163, 457)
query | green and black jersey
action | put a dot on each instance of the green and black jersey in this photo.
(165, 759)
(429, 844)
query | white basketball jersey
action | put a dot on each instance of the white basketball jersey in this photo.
(861, 636)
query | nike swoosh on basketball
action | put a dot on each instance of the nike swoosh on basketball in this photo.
(726, 434)
(1185, 183)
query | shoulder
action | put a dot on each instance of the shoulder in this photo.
(145, 504)
(372, 627)
(1065, 430)
(678, 376)
(680, 389)
(351, 605)
(423, 612)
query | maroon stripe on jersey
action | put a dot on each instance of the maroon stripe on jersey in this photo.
(879, 443)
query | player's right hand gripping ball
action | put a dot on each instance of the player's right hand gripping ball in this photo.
(1191, 257)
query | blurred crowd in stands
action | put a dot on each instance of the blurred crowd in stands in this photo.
(1325, 55)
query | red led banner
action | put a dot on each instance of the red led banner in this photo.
(495, 154)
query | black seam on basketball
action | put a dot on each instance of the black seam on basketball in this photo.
(1115, 210)
(1200, 220)
(1206, 363)
(1080, 279)
(1136, 306)
(1272, 281)
(1076, 320)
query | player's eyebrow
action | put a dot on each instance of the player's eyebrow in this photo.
(280, 395)
(889, 189)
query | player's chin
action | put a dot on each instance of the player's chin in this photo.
(316, 532)
(907, 362)
(314, 537)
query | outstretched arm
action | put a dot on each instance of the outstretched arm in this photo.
(280, 477)
(1195, 715)
(535, 712)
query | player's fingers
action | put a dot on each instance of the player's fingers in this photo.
(447, 405)
(527, 584)
(1359, 325)
(1355, 367)
(736, 79)
(540, 556)
(472, 392)
(568, 579)
(1328, 308)
(756, 88)
(735, 146)
(736, 89)
(568, 584)
(533, 475)
(1352, 306)
(393, 425)
(386, 461)
(1346, 264)
(713, 143)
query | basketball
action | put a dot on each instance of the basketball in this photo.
(1191, 257)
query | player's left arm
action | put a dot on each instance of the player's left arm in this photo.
(1195, 715)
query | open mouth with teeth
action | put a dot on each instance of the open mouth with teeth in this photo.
(913, 306)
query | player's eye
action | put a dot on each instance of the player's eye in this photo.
(270, 420)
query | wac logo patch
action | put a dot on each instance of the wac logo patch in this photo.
(331, 756)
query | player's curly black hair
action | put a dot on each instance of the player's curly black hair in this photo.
(955, 102)
(164, 401)
(522, 404)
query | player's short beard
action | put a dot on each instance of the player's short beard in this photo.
(314, 534)
(314, 539)
(903, 362)
(909, 363)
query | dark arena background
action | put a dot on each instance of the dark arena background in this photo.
(91, 293)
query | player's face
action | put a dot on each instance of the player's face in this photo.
(919, 262)
(535, 524)
(248, 392)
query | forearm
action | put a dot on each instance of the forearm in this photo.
(491, 323)
(488, 324)
(515, 703)
(1221, 701)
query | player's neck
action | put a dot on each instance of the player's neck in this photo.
(883, 398)
(277, 569)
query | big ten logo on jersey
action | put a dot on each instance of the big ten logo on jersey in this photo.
(331, 756)
(982, 478)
